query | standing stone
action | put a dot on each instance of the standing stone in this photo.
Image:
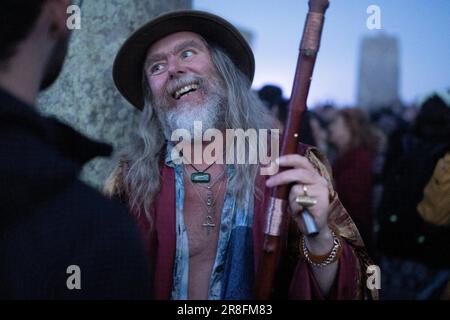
(379, 72)
(84, 95)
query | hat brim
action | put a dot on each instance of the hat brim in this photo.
(128, 64)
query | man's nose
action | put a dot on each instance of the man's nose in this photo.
(175, 68)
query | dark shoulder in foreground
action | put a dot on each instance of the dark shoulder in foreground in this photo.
(59, 238)
(76, 245)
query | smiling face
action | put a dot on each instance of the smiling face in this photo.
(184, 84)
(178, 68)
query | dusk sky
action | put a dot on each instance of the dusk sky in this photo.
(422, 27)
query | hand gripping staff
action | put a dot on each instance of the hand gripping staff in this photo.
(276, 212)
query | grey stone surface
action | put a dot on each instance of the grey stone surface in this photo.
(379, 72)
(84, 95)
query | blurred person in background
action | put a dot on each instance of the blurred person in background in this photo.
(409, 114)
(356, 144)
(394, 128)
(327, 112)
(415, 249)
(272, 97)
(435, 206)
(319, 132)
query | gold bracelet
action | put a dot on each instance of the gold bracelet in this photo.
(322, 260)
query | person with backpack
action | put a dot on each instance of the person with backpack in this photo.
(404, 233)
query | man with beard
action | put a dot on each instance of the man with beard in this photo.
(203, 222)
(60, 239)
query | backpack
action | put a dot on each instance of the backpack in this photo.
(435, 206)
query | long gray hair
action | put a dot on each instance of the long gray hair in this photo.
(244, 110)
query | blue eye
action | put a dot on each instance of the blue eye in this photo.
(156, 68)
(187, 53)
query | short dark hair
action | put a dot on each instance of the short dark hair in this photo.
(433, 121)
(271, 95)
(17, 17)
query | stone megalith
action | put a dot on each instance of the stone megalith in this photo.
(84, 96)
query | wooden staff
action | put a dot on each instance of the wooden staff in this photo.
(276, 212)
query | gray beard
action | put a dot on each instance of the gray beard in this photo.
(211, 114)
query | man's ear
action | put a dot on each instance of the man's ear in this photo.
(57, 10)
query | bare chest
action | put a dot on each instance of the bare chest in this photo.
(202, 213)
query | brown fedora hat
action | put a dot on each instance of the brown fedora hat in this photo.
(128, 65)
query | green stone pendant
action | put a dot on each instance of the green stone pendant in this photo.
(200, 177)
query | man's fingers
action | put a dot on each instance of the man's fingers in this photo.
(295, 160)
(302, 176)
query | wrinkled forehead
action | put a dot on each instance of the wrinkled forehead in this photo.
(169, 44)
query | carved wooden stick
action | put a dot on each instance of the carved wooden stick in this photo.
(276, 219)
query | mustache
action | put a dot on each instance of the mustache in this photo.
(183, 81)
(207, 86)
